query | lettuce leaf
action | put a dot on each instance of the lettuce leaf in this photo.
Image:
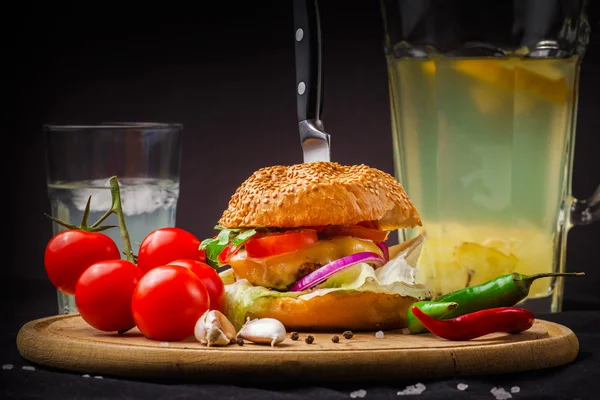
(395, 277)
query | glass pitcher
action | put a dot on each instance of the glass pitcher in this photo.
(483, 103)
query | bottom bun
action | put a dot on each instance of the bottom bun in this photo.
(359, 311)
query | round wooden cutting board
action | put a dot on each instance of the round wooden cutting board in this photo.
(67, 342)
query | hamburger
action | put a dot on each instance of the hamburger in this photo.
(306, 245)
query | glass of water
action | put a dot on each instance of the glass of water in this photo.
(80, 160)
(483, 104)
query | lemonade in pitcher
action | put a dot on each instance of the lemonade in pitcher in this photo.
(482, 147)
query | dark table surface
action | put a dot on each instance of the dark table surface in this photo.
(25, 300)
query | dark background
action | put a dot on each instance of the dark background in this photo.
(226, 72)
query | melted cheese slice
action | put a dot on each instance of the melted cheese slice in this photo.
(281, 271)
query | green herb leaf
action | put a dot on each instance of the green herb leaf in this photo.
(206, 242)
(242, 237)
(220, 228)
(214, 246)
(223, 237)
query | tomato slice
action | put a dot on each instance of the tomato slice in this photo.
(278, 243)
(356, 231)
(224, 254)
(230, 250)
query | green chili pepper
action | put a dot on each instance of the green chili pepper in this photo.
(434, 309)
(503, 291)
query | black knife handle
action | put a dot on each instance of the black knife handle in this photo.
(307, 37)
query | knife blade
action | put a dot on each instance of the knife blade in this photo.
(314, 140)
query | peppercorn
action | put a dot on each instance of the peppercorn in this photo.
(309, 339)
(294, 336)
(348, 334)
(240, 341)
(335, 339)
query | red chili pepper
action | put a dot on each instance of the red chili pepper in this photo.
(479, 323)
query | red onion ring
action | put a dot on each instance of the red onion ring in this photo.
(385, 250)
(321, 274)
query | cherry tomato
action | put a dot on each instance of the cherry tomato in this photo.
(279, 243)
(356, 231)
(211, 279)
(164, 245)
(201, 255)
(103, 294)
(71, 252)
(167, 303)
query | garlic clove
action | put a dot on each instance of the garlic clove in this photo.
(214, 329)
(263, 331)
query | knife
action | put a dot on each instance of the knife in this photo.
(309, 81)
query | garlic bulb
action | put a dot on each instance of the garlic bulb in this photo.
(214, 329)
(263, 330)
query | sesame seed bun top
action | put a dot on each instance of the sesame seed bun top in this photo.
(319, 193)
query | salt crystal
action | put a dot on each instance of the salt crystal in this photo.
(412, 389)
(515, 389)
(28, 368)
(379, 335)
(86, 375)
(358, 393)
(8, 366)
(164, 344)
(406, 331)
(462, 386)
(98, 377)
(500, 393)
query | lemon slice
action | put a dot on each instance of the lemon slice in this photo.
(543, 79)
(538, 77)
(484, 262)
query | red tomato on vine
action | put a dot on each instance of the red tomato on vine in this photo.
(104, 292)
(71, 252)
(211, 279)
(164, 245)
(167, 303)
